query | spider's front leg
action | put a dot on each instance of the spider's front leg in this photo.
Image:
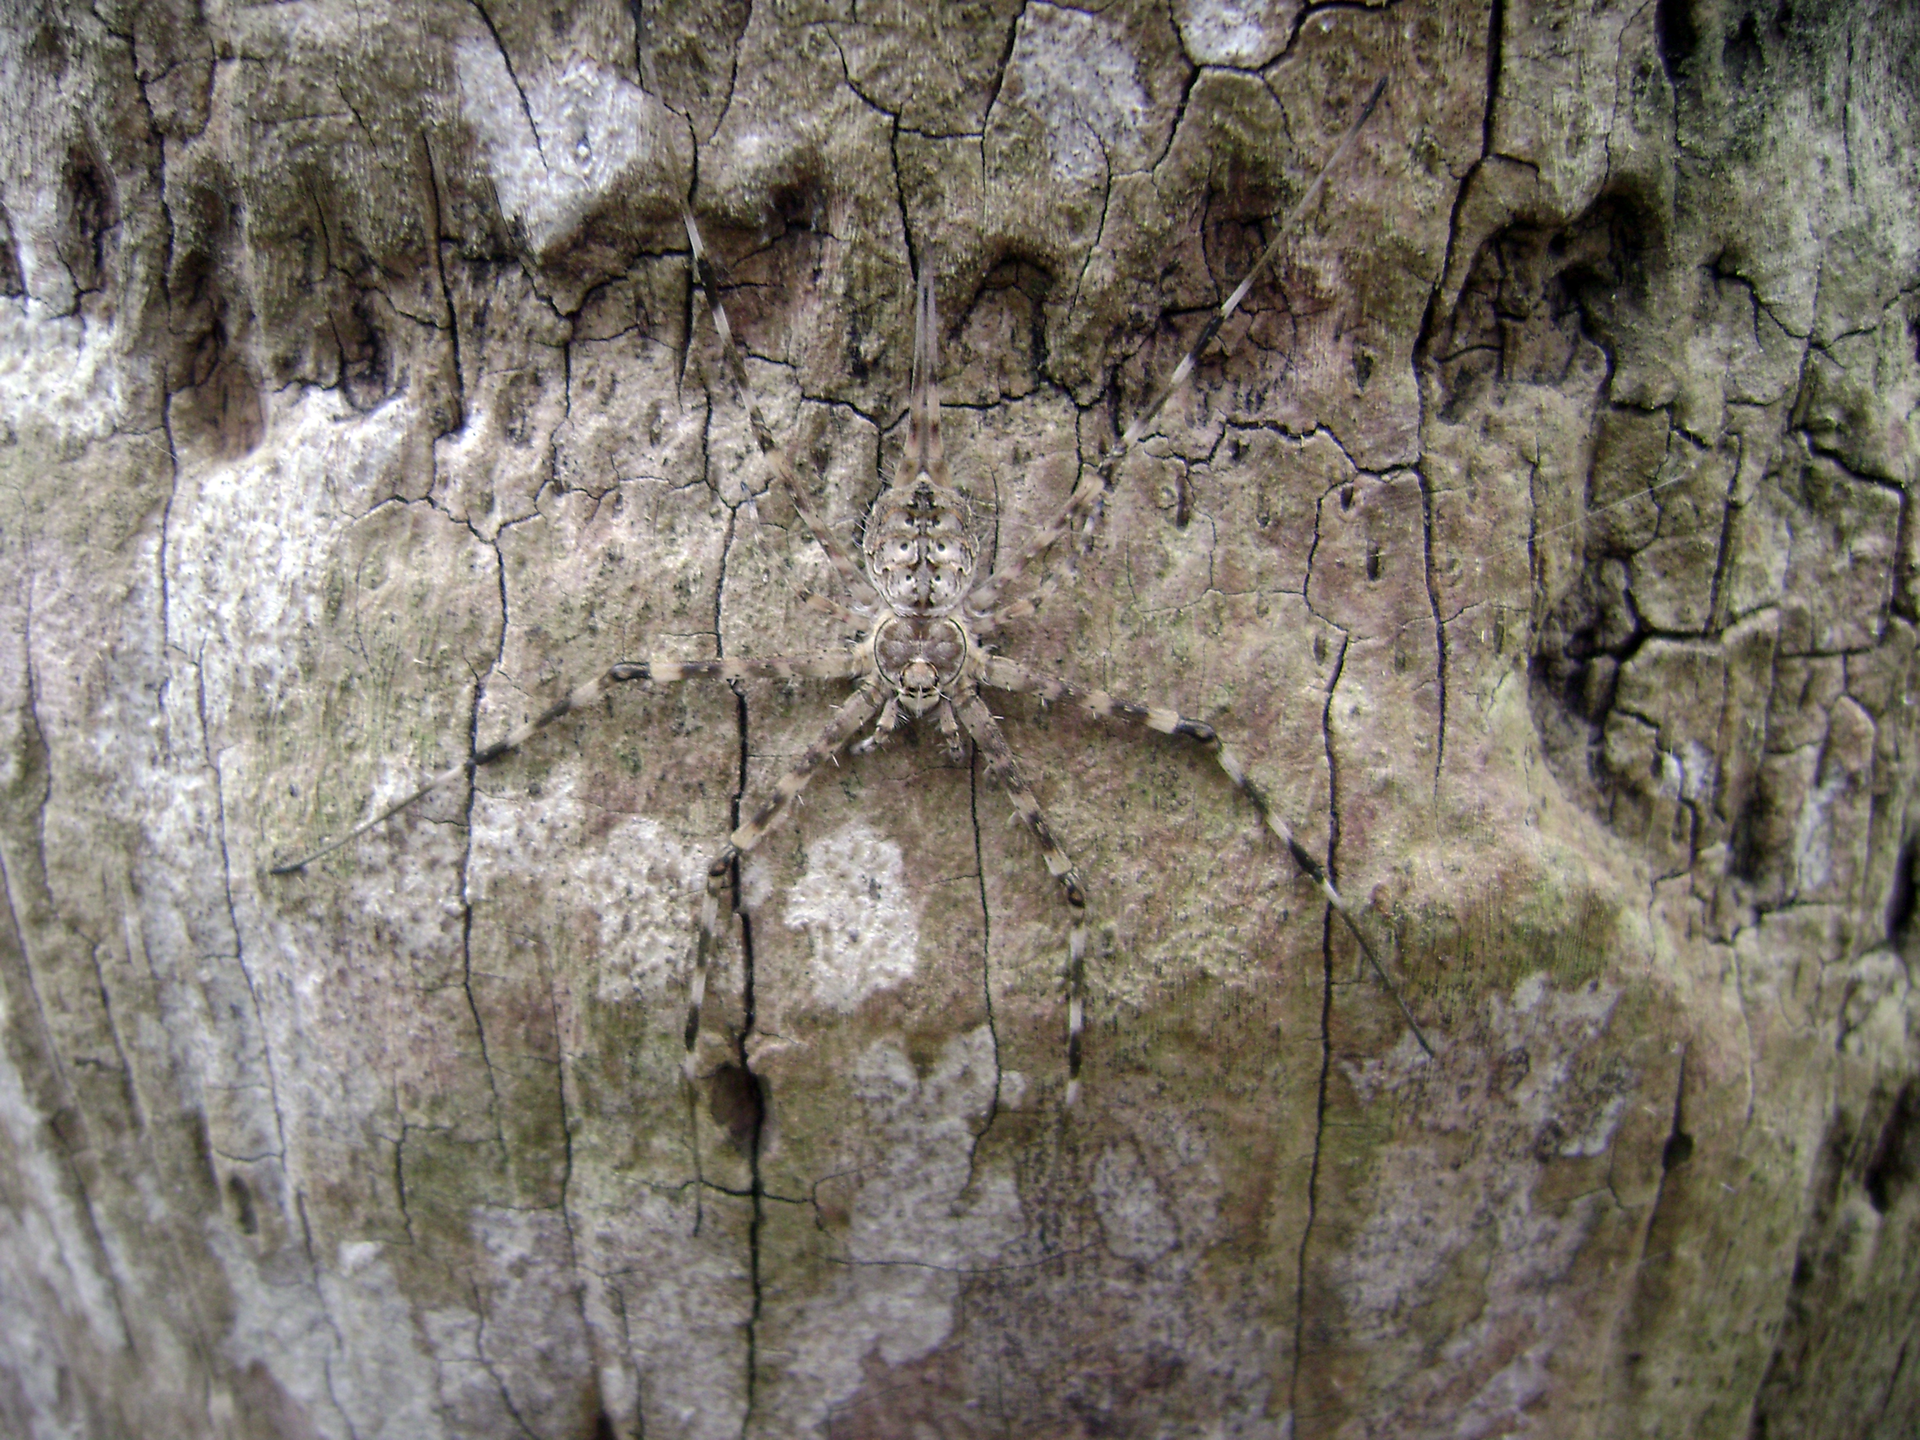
(859, 708)
(866, 601)
(1003, 767)
(891, 719)
(949, 725)
(990, 602)
(1002, 674)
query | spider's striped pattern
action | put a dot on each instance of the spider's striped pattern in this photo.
(923, 610)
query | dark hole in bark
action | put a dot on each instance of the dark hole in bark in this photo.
(736, 1104)
(1677, 1151)
(1742, 56)
(1677, 34)
(1900, 902)
(366, 356)
(1744, 850)
(11, 283)
(244, 1214)
(89, 213)
(1896, 1154)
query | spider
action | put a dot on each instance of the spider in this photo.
(922, 607)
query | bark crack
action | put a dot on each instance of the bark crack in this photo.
(752, 1087)
(441, 240)
(533, 126)
(465, 862)
(1300, 1325)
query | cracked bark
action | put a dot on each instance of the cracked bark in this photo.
(1540, 535)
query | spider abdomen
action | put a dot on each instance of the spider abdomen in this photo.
(919, 554)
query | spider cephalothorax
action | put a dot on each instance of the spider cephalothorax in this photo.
(923, 660)
(921, 603)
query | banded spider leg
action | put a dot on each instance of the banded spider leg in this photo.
(1004, 674)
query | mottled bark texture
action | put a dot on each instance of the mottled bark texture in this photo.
(1541, 536)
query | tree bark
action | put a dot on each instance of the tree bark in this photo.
(1539, 534)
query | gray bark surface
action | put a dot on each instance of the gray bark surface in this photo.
(1540, 535)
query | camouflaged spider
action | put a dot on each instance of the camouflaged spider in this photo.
(922, 607)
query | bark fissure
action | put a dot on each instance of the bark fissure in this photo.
(754, 1090)
(1302, 1256)
(506, 59)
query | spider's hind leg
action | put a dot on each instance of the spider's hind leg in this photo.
(859, 708)
(1006, 675)
(1003, 767)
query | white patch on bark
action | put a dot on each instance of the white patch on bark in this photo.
(1688, 773)
(384, 1384)
(57, 374)
(756, 883)
(635, 879)
(1133, 1216)
(1499, 1407)
(591, 129)
(1074, 73)
(1244, 33)
(1014, 1089)
(853, 904)
(1558, 1022)
(1599, 1132)
(1418, 1227)
(343, 1348)
(239, 528)
(921, 1217)
(484, 1360)
(1822, 832)
(1528, 994)
(667, 1299)
(1873, 1018)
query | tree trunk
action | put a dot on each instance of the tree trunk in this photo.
(1538, 534)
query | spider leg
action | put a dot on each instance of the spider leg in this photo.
(736, 368)
(833, 665)
(859, 708)
(812, 599)
(864, 595)
(890, 720)
(1006, 675)
(1001, 764)
(950, 728)
(926, 452)
(1090, 491)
